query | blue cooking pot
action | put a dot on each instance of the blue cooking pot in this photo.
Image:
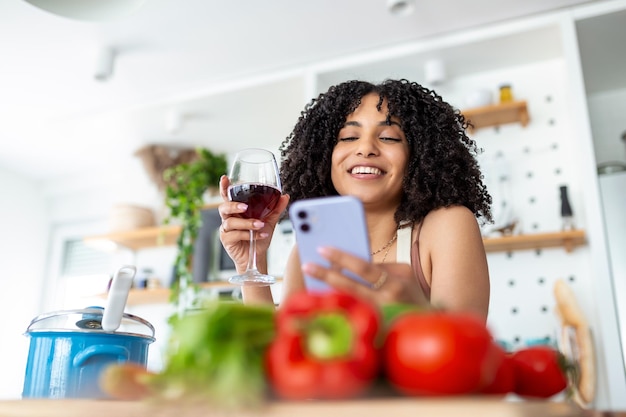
(69, 350)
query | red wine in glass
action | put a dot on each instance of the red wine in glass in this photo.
(260, 198)
(255, 181)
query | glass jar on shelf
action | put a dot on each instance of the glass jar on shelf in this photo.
(506, 93)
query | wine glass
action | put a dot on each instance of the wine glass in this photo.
(254, 180)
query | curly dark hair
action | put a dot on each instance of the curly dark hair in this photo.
(442, 171)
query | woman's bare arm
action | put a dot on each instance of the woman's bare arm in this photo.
(454, 260)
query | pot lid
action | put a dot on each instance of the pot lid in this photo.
(88, 320)
(611, 167)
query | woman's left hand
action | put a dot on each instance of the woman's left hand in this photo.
(385, 283)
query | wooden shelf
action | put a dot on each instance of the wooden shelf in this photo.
(163, 236)
(147, 237)
(140, 296)
(143, 238)
(567, 239)
(498, 114)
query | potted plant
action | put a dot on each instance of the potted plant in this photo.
(186, 185)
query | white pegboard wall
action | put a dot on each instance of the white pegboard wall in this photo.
(522, 304)
(524, 168)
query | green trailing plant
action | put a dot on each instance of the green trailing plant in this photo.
(186, 186)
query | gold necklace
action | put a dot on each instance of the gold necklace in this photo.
(387, 245)
(387, 253)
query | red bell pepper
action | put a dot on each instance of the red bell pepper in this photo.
(324, 348)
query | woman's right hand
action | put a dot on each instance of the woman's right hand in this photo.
(382, 284)
(235, 230)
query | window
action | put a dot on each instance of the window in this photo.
(84, 273)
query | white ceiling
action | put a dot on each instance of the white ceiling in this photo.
(58, 120)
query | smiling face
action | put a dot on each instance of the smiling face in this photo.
(370, 158)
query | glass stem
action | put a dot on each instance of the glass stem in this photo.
(252, 255)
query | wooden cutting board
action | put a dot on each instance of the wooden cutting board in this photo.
(396, 407)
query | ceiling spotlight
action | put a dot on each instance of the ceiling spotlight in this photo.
(174, 121)
(435, 71)
(401, 7)
(92, 10)
(104, 64)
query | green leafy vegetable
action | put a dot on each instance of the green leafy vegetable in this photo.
(391, 311)
(216, 355)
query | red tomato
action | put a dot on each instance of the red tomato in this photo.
(504, 380)
(439, 354)
(538, 372)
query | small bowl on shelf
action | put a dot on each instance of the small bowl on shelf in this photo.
(479, 98)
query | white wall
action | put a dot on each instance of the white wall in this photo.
(606, 112)
(23, 246)
(92, 194)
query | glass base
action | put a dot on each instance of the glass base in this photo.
(252, 278)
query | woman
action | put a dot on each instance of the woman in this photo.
(404, 153)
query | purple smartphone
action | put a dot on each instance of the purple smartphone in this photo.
(329, 221)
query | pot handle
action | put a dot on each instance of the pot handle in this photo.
(81, 357)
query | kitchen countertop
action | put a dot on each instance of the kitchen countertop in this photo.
(396, 407)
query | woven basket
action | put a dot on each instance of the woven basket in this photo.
(124, 217)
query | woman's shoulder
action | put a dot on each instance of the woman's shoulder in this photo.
(445, 215)
(449, 222)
